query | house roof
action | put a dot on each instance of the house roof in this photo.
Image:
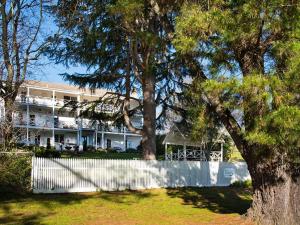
(63, 87)
(180, 134)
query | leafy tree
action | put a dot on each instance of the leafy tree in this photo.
(20, 44)
(127, 46)
(245, 59)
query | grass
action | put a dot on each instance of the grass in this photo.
(102, 155)
(201, 206)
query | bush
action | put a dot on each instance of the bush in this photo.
(101, 149)
(242, 184)
(131, 150)
(111, 150)
(15, 172)
(91, 148)
(48, 153)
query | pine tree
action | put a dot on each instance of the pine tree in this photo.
(127, 46)
(245, 59)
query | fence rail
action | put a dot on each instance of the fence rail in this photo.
(88, 175)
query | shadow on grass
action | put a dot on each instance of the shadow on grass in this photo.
(18, 218)
(216, 199)
(48, 202)
(125, 197)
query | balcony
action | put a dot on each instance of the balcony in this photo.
(88, 124)
(114, 129)
(135, 124)
(33, 123)
(65, 123)
(62, 123)
(44, 101)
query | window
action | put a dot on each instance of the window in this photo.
(129, 144)
(106, 127)
(108, 143)
(59, 138)
(62, 139)
(23, 96)
(32, 120)
(20, 118)
(56, 122)
(70, 100)
(56, 137)
(37, 140)
(98, 141)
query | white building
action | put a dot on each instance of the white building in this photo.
(39, 114)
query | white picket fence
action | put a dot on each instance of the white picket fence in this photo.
(89, 175)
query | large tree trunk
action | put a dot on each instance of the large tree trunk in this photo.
(276, 195)
(149, 114)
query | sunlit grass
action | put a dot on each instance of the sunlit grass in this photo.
(159, 206)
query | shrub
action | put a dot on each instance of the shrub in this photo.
(44, 152)
(111, 150)
(15, 171)
(242, 184)
(91, 148)
(101, 149)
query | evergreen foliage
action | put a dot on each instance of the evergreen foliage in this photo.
(127, 47)
(246, 63)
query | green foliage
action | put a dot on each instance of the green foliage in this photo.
(15, 171)
(119, 40)
(248, 53)
(242, 184)
(48, 153)
(128, 9)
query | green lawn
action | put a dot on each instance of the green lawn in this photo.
(159, 206)
(102, 155)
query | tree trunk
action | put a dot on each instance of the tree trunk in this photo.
(276, 196)
(7, 125)
(149, 114)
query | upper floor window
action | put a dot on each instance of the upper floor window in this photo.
(32, 120)
(23, 96)
(70, 100)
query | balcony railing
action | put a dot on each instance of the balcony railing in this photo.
(67, 123)
(44, 101)
(88, 124)
(34, 123)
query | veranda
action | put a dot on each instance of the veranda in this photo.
(187, 149)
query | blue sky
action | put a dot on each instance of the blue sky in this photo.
(50, 72)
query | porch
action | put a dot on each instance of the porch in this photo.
(180, 147)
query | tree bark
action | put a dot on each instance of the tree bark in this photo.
(276, 194)
(7, 127)
(149, 115)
